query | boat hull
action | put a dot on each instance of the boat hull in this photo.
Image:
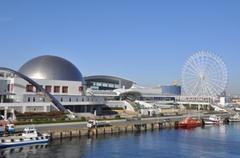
(189, 123)
(210, 122)
(186, 126)
(15, 144)
(6, 142)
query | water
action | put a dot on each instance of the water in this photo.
(209, 142)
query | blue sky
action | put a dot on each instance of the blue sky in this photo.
(147, 41)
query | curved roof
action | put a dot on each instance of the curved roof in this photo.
(110, 79)
(51, 68)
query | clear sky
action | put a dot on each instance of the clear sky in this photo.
(147, 41)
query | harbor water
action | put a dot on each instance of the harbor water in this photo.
(208, 142)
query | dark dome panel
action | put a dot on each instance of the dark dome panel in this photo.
(51, 68)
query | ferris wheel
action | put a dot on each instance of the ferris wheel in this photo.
(204, 75)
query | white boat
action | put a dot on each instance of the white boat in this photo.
(29, 136)
(235, 118)
(213, 120)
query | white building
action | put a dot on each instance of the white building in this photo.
(55, 83)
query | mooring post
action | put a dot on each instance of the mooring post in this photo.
(119, 130)
(61, 134)
(79, 133)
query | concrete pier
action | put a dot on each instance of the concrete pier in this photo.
(93, 132)
(70, 130)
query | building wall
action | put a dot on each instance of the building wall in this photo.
(74, 89)
(27, 107)
(171, 90)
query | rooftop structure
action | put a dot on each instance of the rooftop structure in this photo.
(51, 68)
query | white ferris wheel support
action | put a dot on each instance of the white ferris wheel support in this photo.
(204, 75)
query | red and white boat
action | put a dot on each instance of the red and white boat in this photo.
(189, 123)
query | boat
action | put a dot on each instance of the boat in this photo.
(213, 120)
(28, 136)
(189, 123)
(235, 118)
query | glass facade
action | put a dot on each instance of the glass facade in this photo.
(171, 90)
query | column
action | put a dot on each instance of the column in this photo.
(5, 112)
(199, 107)
(23, 109)
(45, 108)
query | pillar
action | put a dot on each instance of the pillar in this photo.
(5, 112)
(45, 108)
(23, 109)
(199, 107)
(13, 114)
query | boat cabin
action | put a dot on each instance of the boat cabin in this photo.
(29, 132)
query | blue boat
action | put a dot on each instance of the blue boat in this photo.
(29, 136)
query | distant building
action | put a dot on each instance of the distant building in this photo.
(47, 82)
(171, 90)
(57, 76)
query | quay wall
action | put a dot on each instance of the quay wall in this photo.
(60, 131)
(94, 132)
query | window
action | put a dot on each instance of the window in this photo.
(104, 85)
(80, 88)
(8, 87)
(29, 88)
(48, 89)
(61, 99)
(33, 99)
(56, 89)
(64, 89)
(70, 99)
(29, 99)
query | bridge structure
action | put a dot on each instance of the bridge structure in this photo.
(39, 88)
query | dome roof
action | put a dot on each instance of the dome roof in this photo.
(51, 68)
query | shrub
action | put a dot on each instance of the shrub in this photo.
(83, 119)
(117, 117)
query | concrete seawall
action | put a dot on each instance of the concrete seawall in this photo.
(79, 129)
(93, 132)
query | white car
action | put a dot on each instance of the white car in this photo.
(95, 123)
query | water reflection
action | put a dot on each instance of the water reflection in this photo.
(56, 149)
(23, 151)
(209, 141)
